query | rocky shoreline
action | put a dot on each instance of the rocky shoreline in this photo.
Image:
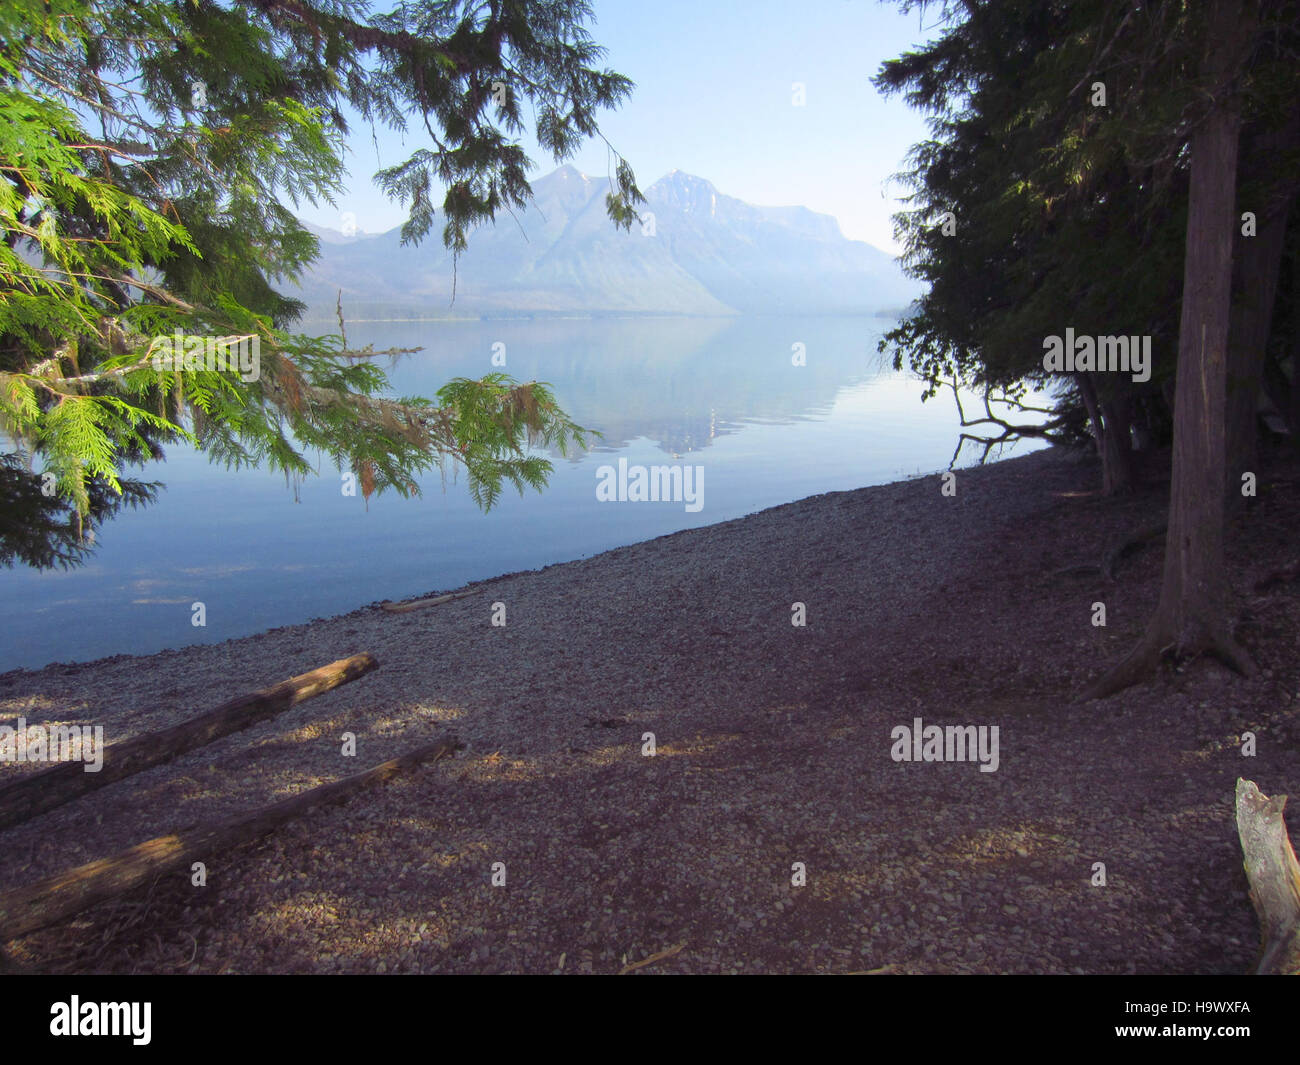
(772, 755)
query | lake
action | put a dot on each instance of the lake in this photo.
(717, 394)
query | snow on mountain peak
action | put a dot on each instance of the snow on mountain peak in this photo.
(685, 192)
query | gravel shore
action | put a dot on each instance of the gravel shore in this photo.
(773, 747)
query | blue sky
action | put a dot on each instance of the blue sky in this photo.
(714, 97)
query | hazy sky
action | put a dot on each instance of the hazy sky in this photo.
(714, 97)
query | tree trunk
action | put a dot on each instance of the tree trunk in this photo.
(1192, 614)
(1259, 260)
(1281, 389)
(1115, 454)
(1278, 390)
(1143, 435)
(1117, 414)
(1293, 408)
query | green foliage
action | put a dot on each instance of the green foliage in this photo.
(1066, 214)
(496, 419)
(145, 149)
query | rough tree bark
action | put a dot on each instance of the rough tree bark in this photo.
(1293, 408)
(1259, 260)
(1274, 878)
(1278, 389)
(1111, 430)
(1117, 414)
(1191, 617)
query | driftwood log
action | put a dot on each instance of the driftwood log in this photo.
(420, 604)
(1274, 878)
(37, 793)
(59, 897)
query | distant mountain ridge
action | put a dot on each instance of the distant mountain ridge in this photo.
(700, 252)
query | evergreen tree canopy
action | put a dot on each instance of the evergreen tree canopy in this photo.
(1106, 169)
(1059, 163)
(147, 148)
(1051, 219)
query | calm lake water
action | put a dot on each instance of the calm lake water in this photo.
(721, 394)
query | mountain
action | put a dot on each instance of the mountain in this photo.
(334, 236)
(699, 252)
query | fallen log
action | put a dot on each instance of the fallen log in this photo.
(1274, 878)
(419, 604)
(37, 793)
(59, 897)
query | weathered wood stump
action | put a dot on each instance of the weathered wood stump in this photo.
(1274, 877)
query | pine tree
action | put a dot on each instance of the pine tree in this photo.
(146, 148)
(1029, 214)
(1124, 212)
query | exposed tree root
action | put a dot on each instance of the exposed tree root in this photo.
(1156, 646)
(1113, 557)
(1139, 662)
(1128, 545)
